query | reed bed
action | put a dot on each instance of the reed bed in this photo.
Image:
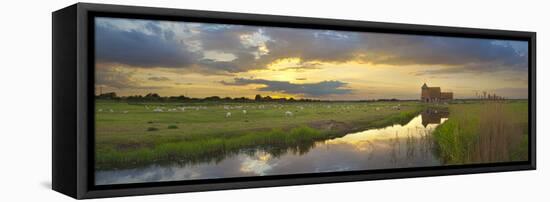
(485, 132)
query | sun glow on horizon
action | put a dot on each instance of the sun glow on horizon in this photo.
(204, 59)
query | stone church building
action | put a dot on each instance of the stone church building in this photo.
(434, 94)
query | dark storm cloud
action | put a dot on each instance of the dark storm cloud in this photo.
(160, 48)
(309, 89)
(138, 49)
(470, 55)
(157, 46)
(313, 45)
(224, 37)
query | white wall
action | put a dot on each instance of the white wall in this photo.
(25, 115)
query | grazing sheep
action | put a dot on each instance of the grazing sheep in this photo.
(157, 110)
(228, 114)
(244, 111)
(100, 110)
(111, 110)
(125, 112)
(182, 109)
(396, 108)
(377, 108)
(288, 113)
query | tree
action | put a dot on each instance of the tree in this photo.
(110, 95)
(258, 97)
(152, 96)
(212, 98)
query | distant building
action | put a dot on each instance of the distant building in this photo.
(434, 94)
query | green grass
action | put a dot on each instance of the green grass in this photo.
(484, 133)
(152, 129)
(124, 139)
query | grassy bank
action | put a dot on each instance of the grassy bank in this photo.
(133, 135)
(484, 132)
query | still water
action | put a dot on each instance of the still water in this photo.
(396, 146)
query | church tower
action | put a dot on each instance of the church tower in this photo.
(425, 94)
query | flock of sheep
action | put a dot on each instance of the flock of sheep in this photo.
(243, 109)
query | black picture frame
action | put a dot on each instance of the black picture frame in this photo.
(73, 89)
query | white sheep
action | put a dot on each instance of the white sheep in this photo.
(244, 111)
(100, 110)
(377, 108)
(157, 110)
(288, 113)
(125, 112)
(182, 109)
(228, 114)
(111, 110)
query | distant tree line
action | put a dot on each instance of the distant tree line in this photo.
(154, 97)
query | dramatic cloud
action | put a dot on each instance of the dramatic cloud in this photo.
(114, 78)
(207, 47)
(351, 65)
(309, 89)
(147, 44)
(139, 49)
(121, 78)
(461, 54)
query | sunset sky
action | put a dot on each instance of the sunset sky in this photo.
(199, 60)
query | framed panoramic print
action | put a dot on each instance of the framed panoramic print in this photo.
(153, 100)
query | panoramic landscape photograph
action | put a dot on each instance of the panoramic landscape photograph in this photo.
(178, 101)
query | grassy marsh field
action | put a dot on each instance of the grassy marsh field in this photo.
(134, 134)
(142, 133)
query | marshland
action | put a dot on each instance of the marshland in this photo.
(232, 139)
